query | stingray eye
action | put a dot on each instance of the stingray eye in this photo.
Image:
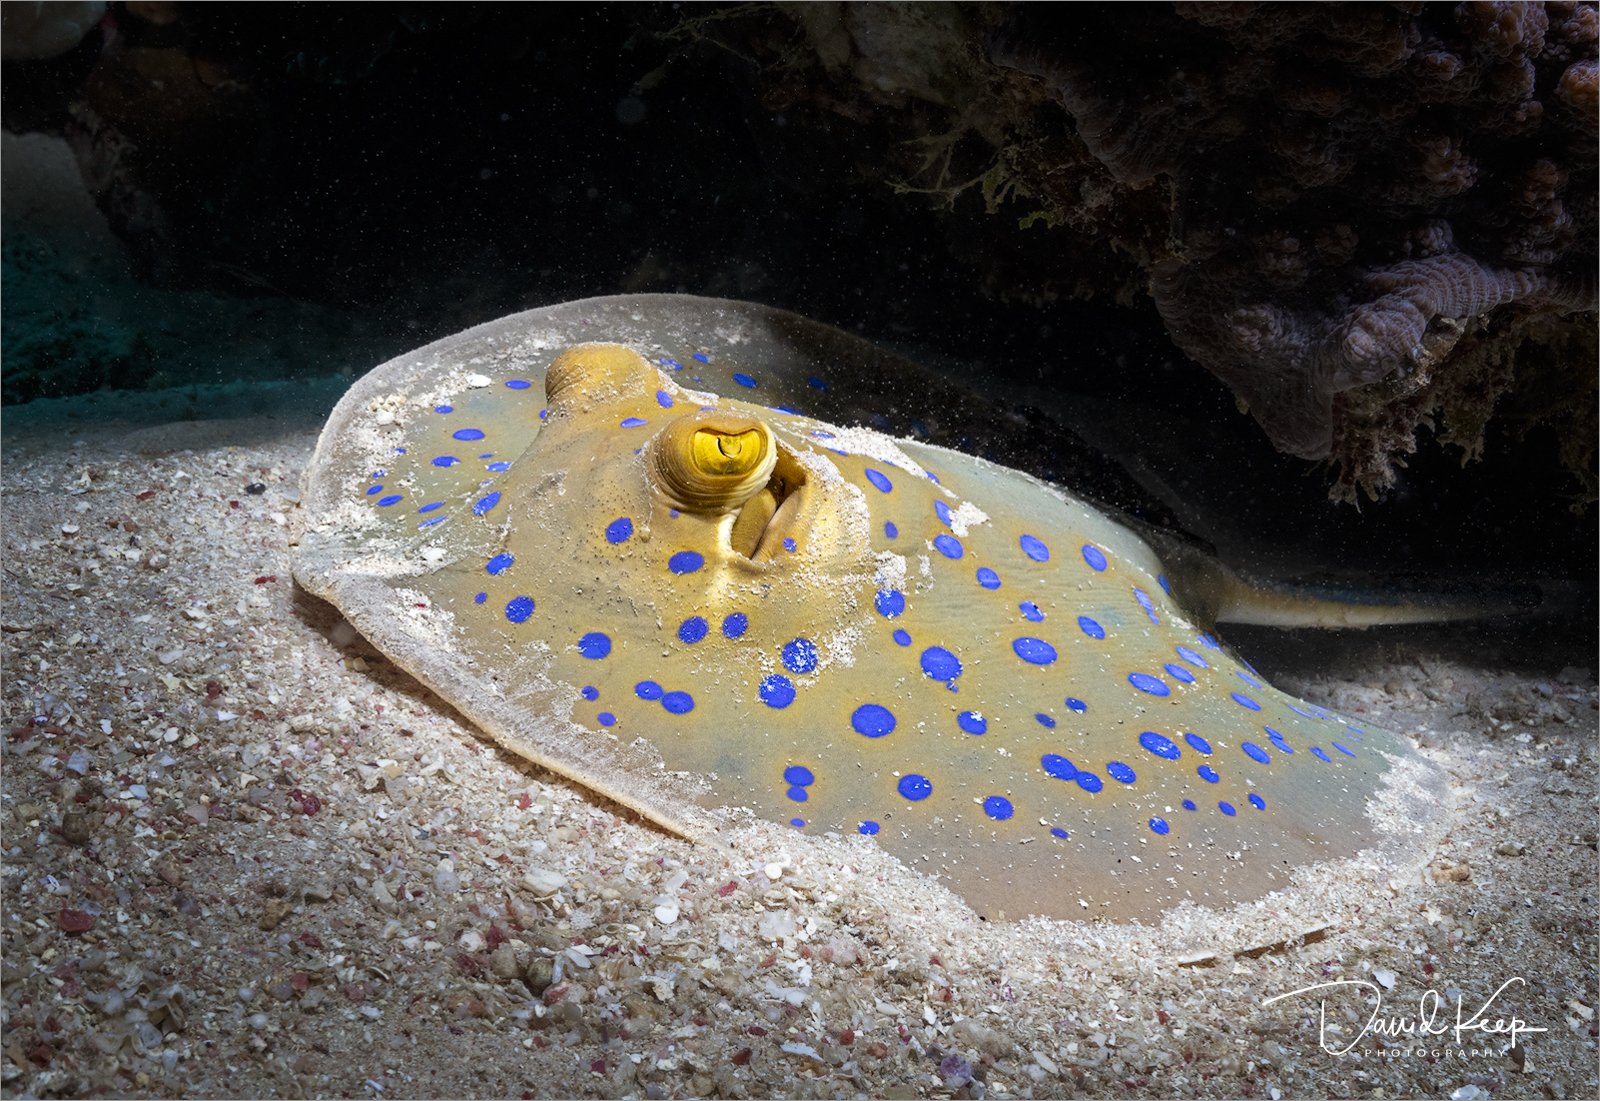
(726, 453)
(712, 461)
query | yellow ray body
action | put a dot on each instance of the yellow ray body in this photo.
(687, 600)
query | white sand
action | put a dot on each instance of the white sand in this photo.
(303, 876)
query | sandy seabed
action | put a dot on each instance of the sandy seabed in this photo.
(246, 856)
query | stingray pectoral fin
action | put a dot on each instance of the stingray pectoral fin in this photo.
(526, 724)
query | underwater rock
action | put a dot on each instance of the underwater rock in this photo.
(1319, 199)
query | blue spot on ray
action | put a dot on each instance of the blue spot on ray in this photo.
(1160, 745)
(941, 665)
(686, 562)
(1145, 602)
(800, 656)
(776, 691)
(914, 787)
(872, 720)
(1035, 651)
(890, 603)
(1058, 766)
(1154, 686)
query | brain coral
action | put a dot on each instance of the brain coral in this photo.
(1358, 216)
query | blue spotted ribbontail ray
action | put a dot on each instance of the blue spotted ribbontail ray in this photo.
(640, 542)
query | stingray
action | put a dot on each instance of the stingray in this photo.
(687, 553)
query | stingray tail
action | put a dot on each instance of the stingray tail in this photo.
(1220, 594)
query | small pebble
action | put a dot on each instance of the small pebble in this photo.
(77, 827)
(503, 962)
(543, 881)
(445, 879)
(539, 974)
